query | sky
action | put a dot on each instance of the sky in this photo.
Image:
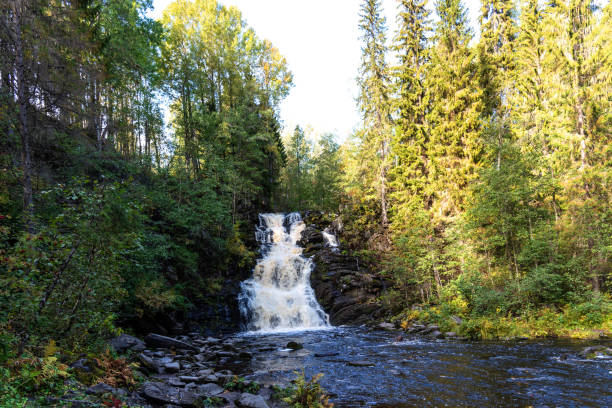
(320, 40)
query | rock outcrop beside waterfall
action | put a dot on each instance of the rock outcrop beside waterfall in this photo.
(345, 288)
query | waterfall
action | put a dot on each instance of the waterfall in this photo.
(278, 297)
(330, 239)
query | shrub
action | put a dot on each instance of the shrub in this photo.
(308, 394)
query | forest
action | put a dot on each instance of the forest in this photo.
(136, 155)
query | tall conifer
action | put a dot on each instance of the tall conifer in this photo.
(453, 119)
(373, 100)
(409, 142)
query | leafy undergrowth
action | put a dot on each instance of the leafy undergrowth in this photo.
(587, 320)
(303, 393)
(242, 385)
(42, 377)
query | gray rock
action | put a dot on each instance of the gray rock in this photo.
(247, 400)
(205, 372)
(126, 342)
(81, 365)
(430, 329)
(457, 319)
(437, 334)
(149, 364)
(265, 393)
(595, 351)
(212, 378)
(157, 340)
(360, 363)
(189, 378)
(175, 382)
(294, 345)
(386, 326)
(100, 389)
(173, 367)
(162, 393)
(450, 334)
(208, 390)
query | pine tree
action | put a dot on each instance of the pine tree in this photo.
(374, 100)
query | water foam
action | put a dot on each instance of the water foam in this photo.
(279, 297)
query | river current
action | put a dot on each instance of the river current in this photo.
(370, 368)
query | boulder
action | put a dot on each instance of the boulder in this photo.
(294, 345)
(82, 365)
(595, 351)
(157, 340)
(172, 367)
(436, 334)
(361, 363)
(100, 389)
(457, 320)
(208, 390)
(149, 364)
(165, 394)
(189, 378)
(126, 342)
(386, 326)
(175, 382)
(430, 329)
(247, 400)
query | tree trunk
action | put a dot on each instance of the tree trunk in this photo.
(24, 132)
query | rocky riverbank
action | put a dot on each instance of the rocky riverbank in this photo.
(186, 371)
(347, 290)
(198, 371)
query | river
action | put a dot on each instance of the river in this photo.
(431, 373)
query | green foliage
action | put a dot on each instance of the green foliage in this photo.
(311, 176)
(307, 393)
(241, 385)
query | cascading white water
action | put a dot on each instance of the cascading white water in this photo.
(278, 297)
(330, 239)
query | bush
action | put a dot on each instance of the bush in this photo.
(308, 394)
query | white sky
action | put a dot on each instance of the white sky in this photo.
(320, 39)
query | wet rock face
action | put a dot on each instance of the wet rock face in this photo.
(345, 289)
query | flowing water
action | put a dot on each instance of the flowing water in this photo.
(279, 297)
(377, 369)
(418, 372)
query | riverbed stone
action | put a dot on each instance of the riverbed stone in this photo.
(163, 393)
(190, 378)
(150, 364)
(100, 389)
(126, 342)
(175, 382)
(248, 400)
(436, 334)
(386, 326)
(595, 351)
(361, 363)
(157, 340)
(294, 345)
(208, 390)
(172, 367)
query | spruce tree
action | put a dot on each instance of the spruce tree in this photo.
(409, 142)
(496, 54)
(374, 100)
(453, 119)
